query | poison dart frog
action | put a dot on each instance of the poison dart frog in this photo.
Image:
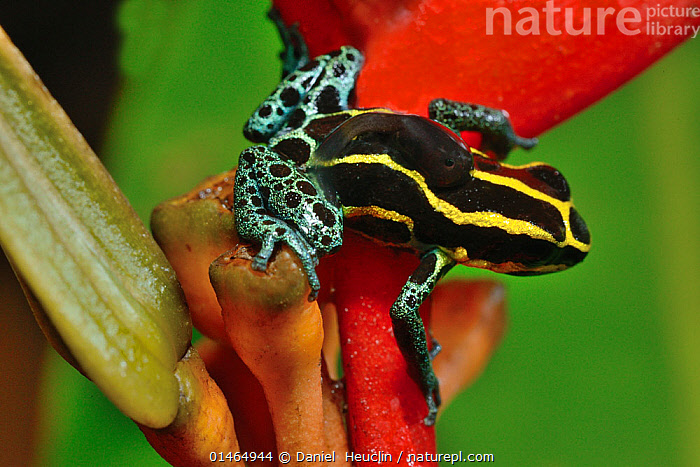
(404, 180)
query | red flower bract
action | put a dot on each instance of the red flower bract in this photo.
(419, 50)
(542, 61)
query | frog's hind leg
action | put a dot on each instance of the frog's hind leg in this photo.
(333, 90)
(409, 330)
(275, 203)
(295, 54)
(323, 85)
(493, 124)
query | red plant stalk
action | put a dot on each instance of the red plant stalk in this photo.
(377, 384)
(543, 71)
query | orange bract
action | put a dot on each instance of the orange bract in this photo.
(203, 424)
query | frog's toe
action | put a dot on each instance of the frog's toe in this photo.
(309, 261)
(429, 420)
(260, 263)
(314, 283)
(432, 399)
(435, 348)
(308, 257)
(525, 143)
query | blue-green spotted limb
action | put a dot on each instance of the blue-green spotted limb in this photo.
(408, 325)
(403, 180)
(497, 134)
(275, 201)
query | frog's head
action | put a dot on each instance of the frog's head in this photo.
(413, 180)
(531, 204)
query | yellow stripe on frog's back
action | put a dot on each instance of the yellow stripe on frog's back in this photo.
(477, 218)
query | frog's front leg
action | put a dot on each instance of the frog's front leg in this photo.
(493, 124)
(275, 202)
(408, 326)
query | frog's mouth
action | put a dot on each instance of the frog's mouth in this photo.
(517, 255)
(517, 229)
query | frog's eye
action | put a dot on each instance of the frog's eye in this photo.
(442, 170)
(435, 151)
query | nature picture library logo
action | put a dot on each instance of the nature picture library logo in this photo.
(529, 21)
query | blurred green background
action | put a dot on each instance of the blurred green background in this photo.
(600, 364)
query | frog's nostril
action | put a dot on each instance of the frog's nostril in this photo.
(578, 226)
(553, 179)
